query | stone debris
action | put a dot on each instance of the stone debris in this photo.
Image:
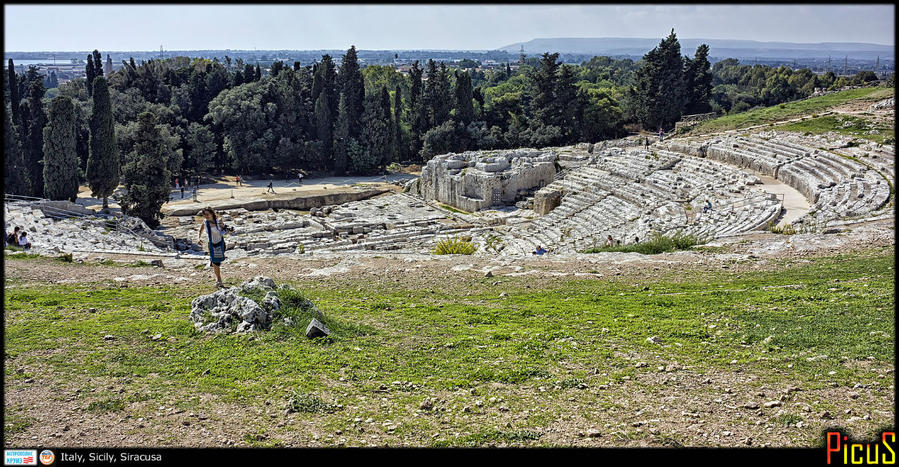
(317, 329)
(226, 310)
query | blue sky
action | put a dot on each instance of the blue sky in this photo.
(462, 27)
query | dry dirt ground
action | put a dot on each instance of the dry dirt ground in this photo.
(674, 406)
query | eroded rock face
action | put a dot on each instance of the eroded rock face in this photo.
(226, 310)
(476, 180)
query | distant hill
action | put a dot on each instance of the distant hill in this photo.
(719, 48)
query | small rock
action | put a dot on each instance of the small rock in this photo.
(654, 340)
(108, 337)
(771, 404)
(593, 433)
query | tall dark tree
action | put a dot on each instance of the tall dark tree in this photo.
(15, 172)
(375, 136)
(90, 73)
(659, 94)
(438, 94)
(324, 80)
(98, 63)
(543, 101)
(463, 98)
(698, 81)
(418, 112)
(103, 169)
(61, 158)
(34, 123)
(258, 73)
(14, 97)
(146, 175)
(399, 146)
(341, 137)
(352, 85)
(566, 104)
(323, 125)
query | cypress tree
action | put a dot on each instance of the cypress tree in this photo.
(98, 63)
(103, 169)
(15, 173)
(14, 98)
(418, 115)
(389, 148)
(375, 135)
(146, 175)
(34, 137)
(258, 74)
(659, 92)
(544, 89)
(61, 158)
(698, 81)
(463, 97)
(323, 126)
(352, 85)
(90, 73)
(341, 137)
(398, 146)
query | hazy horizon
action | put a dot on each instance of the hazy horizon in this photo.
(423, 27)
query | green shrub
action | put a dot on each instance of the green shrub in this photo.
(656, 244)
(308, 403)
(455, 246)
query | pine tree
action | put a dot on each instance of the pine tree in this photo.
(399, 147)
(463, 97)
(103, 169)
(543, 103)
(566, 103)
(697, 81)
(258, 73)
(341, 137)
(352, 85)
(15, 173)
(14, 97)
(34, 136)
(61, 158)
(659, 90)
(146, 175)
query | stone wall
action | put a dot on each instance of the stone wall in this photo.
(476, 180)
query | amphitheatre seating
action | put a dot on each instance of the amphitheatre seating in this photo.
(836, 185)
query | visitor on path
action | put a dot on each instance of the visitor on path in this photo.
(646, 142)
(300, 177)
(539, 251)
(23, 241)
(237, 178)
(707, 207)
(13, 238)
(182, 191)
(661, 134)
(609, 241)
(270, 188)
(215, 231)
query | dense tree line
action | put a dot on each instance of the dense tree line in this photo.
(178, 118)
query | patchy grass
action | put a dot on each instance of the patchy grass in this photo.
(789, 110)
(393, 346)
(455, 246)
(845, 125)
(656, 244)
(452, 209)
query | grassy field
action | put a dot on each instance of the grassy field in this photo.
(393, 348)
(789, 110)
(844, 125)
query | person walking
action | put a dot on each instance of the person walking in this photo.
(661, 134)
(238, 180)
(215, 231)
(300, 177)
(182, 191)
(269, 188)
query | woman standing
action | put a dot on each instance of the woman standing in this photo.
(215, 230)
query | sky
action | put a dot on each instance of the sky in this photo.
(450, 27)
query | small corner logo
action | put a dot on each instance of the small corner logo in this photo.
(854, 452)
(47, 457)
(19, 457)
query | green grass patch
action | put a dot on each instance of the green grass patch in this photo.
(789, 110)
(455, 246)
(106, 405)
(452, 209)
(656, 244)
(845, 125)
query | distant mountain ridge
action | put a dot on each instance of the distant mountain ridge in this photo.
(721, 48)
